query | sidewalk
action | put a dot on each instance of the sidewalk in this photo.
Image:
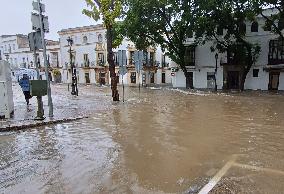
(91, 99)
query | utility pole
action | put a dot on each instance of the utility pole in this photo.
(42, 30)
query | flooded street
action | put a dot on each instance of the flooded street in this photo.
(160, 141)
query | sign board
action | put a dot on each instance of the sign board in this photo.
(138, 60)
(122, 70)
(173, 74)
(122, 60)
(36, 22)
(35, 41)
(36, 7)
(38, 87)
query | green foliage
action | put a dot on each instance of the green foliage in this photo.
(275, 19)
(167, 23)
(108, 11)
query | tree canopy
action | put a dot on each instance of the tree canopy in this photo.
(167, 23)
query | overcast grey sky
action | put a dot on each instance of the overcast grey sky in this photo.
(15, 16)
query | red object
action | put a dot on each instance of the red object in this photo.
(173, 74)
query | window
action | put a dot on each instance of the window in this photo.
(190, 35)
(164, 61)
(101, 59)
(254, 27)
(242, 28)
(13, 46)
(210, 76)
(86, 60)
(189, 56)
(100, 38)
(133, 77)
(152, 54)
(255, 72)
(85, 40)
(220, 31)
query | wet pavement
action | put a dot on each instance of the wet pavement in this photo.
(160, 141)
(65, 105)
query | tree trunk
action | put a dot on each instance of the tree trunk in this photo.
(246, 70)
(110, 59)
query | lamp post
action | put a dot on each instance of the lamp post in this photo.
(216, 58)
(70, 43)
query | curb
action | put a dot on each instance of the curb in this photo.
(38, 124)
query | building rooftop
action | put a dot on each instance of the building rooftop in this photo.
(84, 28)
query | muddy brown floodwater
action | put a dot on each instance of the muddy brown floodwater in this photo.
(159, 142)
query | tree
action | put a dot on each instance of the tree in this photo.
(167, 23)
(229, 17)
(109, 10)
(274, 21)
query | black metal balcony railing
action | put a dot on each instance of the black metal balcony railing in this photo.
(272, 61)
(192, 63)
(86, 63)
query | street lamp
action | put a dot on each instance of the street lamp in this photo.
(73, 71)
(216, 58)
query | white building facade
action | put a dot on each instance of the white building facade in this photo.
(15, 49)
(89, 55)
(267, 73)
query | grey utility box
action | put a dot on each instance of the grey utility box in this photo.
(6, 92)
(38, 87)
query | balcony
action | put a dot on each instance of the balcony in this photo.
(275, 61)
(276, 52)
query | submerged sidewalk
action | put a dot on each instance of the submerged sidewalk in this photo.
(91, 99)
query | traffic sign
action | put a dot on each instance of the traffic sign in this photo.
(122, 61)
(35, 41)
(36, 22)
(122, 70)
(138, 60)
(36, 7)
